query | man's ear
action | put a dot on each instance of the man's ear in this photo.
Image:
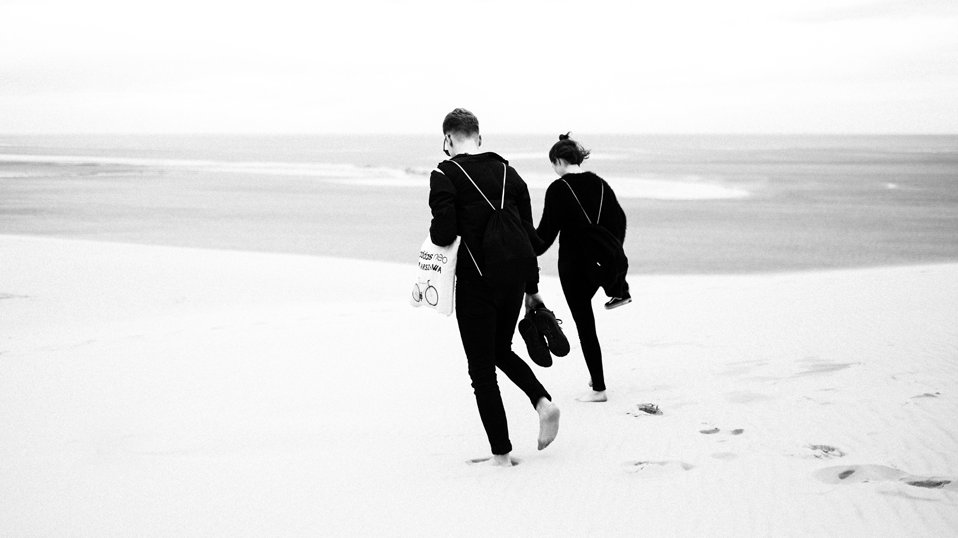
(479, 140)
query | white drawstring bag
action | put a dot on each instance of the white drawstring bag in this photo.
(435, 284)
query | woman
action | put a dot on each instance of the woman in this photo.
(574, 202)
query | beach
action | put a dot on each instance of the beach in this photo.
(211, 336)
(155, 391)
(214, 226)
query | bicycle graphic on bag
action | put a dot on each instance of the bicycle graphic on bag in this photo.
(434, 284)
(431, 294)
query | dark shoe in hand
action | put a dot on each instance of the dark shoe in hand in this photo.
(549, 327)
(535, 343)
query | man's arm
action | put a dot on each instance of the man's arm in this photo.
(525, 214)
(442, 202)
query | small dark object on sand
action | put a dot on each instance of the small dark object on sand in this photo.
(709, 431)
(845, 474)
(650, 408)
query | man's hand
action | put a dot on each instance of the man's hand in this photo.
(533, 301)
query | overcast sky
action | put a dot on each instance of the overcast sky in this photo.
(696, 66)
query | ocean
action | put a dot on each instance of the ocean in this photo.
(695, 204)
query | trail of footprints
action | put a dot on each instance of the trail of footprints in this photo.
(846, 474)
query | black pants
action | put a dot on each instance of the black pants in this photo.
(615, 284)
(487, 319)
(579, 285)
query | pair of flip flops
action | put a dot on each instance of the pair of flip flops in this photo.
(543, 336)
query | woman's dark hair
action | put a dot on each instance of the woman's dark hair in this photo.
(568, 150)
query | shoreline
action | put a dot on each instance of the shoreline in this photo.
(547, 262)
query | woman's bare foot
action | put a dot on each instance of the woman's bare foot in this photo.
(594, 396)
(548, 422)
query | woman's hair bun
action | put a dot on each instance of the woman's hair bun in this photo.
(568, 150)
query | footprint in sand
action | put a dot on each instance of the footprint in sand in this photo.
(931, 483)
(815, 366)
(481, 461)
(857, 474)
(712, 431)
(825, 451)
(744, 397)
(743, 367)
(657, 467)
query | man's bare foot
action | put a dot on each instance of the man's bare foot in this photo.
(548, 422)
(497, 460)
(594, 396)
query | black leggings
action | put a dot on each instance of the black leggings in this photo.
(579, 284)
(487, 320)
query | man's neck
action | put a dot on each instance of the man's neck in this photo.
(467, 146)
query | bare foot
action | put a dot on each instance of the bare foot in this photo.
(594, 396)
(497, 460)
(548, 422)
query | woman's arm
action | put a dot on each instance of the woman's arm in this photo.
(525, 214)
(548, 228)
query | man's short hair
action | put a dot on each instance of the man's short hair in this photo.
(460, 122)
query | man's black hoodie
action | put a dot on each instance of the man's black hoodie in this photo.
(458, 209)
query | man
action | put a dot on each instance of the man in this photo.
(486, 311)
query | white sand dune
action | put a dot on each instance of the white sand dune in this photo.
(154, 391)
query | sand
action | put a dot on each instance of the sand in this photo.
(161, 391)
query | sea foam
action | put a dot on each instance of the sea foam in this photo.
(333, 171)
(641, 187)
(685, 187)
